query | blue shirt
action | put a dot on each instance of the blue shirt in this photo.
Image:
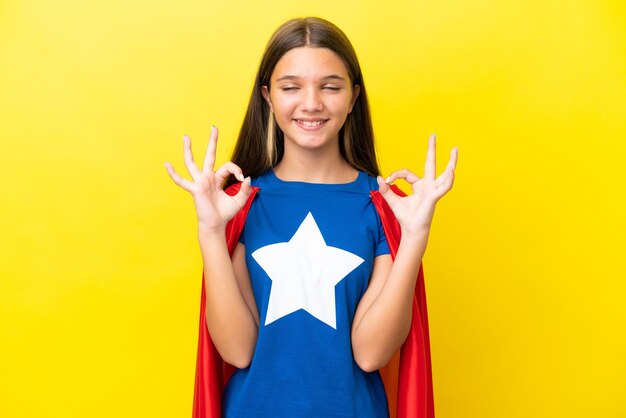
(310, 250)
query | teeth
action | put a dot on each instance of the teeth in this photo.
(311, 124)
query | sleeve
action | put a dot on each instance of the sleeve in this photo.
(381, 246)
(380, 241)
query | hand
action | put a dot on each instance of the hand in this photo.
(415, 212)
(214, 207)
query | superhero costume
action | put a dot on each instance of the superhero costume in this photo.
(407, 377)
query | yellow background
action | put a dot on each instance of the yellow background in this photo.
(99, 265)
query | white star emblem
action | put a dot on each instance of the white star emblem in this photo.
(304, 272)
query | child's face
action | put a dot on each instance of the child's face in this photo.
(311, 95)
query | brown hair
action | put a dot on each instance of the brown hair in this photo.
(260, 143)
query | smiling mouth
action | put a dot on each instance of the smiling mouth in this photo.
(311, 124)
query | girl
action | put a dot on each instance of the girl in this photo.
(303, 297)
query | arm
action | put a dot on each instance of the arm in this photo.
(229, 315)
(383, 317)
(230, 321)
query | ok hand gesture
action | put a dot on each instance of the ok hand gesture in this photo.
(415, 212)
(214, 207)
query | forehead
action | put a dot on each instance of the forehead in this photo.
(308, 62)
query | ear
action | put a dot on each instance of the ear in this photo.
(266, 95)
(355, 94)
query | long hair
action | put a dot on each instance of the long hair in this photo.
(260, 144)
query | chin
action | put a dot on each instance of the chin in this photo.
(310, 141)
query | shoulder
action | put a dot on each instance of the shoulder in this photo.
(264, 179)
(372, 183)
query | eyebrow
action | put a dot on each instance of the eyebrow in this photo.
(327, 77)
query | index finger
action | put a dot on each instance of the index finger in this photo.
(209, 158)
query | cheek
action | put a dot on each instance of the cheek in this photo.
(339, 104)
(284, 106)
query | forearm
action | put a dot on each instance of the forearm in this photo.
(229, 319)
(385, 325)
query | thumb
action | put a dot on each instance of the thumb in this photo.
(382, 186)
(386, 191)
(244, 192)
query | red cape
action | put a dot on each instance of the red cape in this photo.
(407, 377)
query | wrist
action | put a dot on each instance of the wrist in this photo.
(205, 230)
(418, 234)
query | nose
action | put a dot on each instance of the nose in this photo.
(312, 100)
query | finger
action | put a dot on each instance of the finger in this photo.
(209, 158)
(446, 185)
(185, 184)
(450, 167)
(244, 192)
(386, 191)
(189, 162)
(430, 166)
(405, 174)
(229, 168)
(454, 156)
(383, 186)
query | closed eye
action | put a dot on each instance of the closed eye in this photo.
(331, 88)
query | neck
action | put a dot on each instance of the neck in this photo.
(315, 166)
